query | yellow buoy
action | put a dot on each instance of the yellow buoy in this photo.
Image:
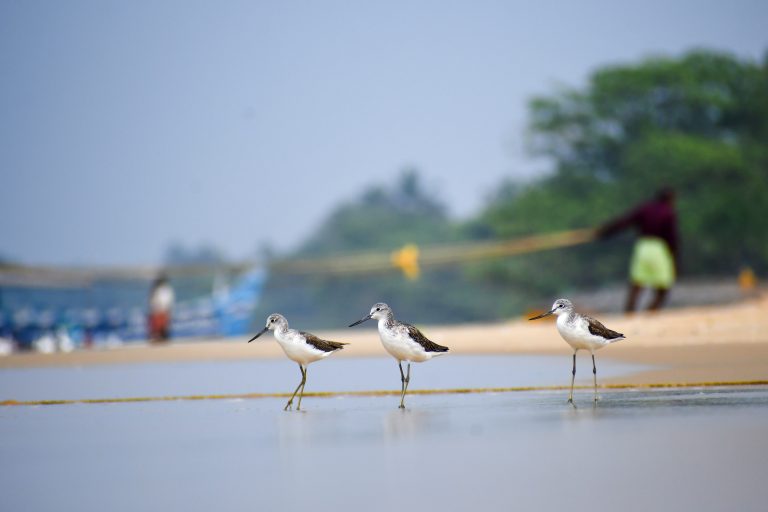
(747, 279)
(407, 260)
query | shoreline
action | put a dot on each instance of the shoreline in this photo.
(702, 344)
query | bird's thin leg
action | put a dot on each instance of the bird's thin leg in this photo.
(573, 377)
(303, 383)
(594, 375)
(402, 385)
(288, 405)
(406, 380)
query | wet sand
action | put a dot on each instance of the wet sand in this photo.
(690, 449)
(704, 344)
(693, 448)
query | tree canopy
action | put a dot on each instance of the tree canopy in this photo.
(697, 123)
(383, 218)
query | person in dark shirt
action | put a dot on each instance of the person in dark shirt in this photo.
(655, 257)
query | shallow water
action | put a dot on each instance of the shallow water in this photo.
(268, 376)
(678, 449)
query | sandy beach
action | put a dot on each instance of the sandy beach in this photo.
(704, 344)
(199, 454)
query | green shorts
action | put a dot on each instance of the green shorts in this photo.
(652, 264)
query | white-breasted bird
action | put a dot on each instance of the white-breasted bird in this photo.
(403, 341)
(580, 332)
(301, 347)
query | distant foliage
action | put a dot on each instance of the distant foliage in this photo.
(698, 123)
(382, 218)
(179, 254)
(385, 218)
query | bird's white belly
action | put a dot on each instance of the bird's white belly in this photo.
(580, 339)
(301, 352)
(403, 348)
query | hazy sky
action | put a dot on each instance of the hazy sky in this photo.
(127, 125)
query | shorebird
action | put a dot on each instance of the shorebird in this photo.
(300, 347)
(580, 332)
(403, 341)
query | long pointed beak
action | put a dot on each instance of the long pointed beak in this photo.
(542, 315)
(366, 317)
(260, 333)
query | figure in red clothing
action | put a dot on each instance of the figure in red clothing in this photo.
(161, 298)
(655, 257)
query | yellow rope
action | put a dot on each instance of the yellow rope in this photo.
(332, 394)
(409, 259)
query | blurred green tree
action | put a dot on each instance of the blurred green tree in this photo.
(698, 123)
(382, 218)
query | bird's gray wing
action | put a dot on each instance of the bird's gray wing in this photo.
(427, 344)
(598, 329)
(321, 344)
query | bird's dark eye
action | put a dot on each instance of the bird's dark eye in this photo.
(378, 309)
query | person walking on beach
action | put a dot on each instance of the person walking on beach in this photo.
(655, 257)
(161, 298)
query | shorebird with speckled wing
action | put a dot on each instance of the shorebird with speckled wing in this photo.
(580, 332)
(403, 341)
(300, 347)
